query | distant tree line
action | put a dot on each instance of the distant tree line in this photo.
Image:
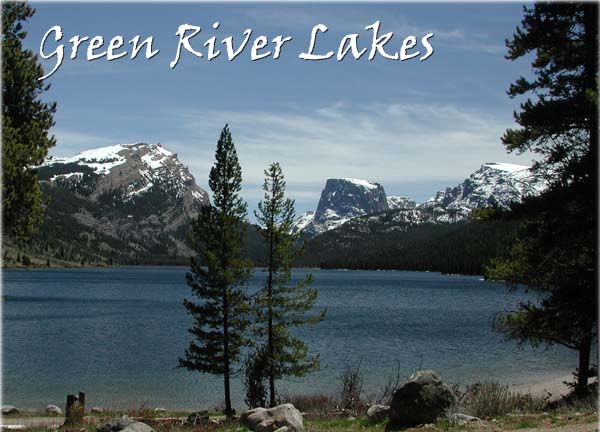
(463, 247)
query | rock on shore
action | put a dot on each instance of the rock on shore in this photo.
(272, 419)
(421, 400)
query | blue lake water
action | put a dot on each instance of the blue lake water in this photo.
(117, 333)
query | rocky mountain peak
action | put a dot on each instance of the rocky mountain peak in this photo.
(131, 168)
(494, 183)
(140, 192)
(343, 199)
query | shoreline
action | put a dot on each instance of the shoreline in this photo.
(551, 389)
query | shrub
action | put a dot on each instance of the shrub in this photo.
(384, 396)
(351, 382)
(255, 380)
(312, 403)
(491, 399)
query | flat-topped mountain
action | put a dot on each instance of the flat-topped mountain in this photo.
(341, 200)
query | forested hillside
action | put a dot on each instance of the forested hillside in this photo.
(462, 247)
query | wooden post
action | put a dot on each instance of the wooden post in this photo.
(82, 402)
(71, 404)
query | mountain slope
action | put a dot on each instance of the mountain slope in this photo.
(128, 201)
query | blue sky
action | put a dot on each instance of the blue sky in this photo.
(415, 127)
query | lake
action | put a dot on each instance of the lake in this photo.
(117, 334)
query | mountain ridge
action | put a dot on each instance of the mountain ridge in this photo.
(494, 183)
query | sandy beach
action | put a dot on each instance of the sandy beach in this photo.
(553, 388)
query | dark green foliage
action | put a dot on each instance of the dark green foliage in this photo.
(156, 200)
(218, 276)
(562, 121)
(83, 186)
(556, 252)
(281, 305)
(462, 247)
(26, 120)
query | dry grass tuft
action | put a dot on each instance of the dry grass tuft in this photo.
(490, 399)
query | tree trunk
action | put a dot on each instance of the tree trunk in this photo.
(591, 72)
(584, 366)
(226, 369)
(271, 361)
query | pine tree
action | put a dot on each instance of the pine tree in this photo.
(26, 120)
(556, 250)
(219, 273)
(282, 304)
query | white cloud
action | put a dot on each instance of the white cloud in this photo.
(393, 144)
(385, 143)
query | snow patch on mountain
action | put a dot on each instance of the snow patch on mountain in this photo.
(362, 183)
(101, 160)
(304, 220)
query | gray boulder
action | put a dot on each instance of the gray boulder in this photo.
(53, 409)
(421, 400)
(9, 409)
(124, 424)
(272, 419)
(138, 427)
(378, 413)
(97, 410)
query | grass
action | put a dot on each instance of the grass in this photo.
(499, 409)
(361, 424)
(490, 399)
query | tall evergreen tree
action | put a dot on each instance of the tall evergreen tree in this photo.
(219, 273)
(26, 120)
(556, 251)
(282, 304)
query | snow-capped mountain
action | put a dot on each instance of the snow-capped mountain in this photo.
(499, 184)
(493, 184)
(401, 202)
(132, 168)
(140, 193)
(341, 200)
